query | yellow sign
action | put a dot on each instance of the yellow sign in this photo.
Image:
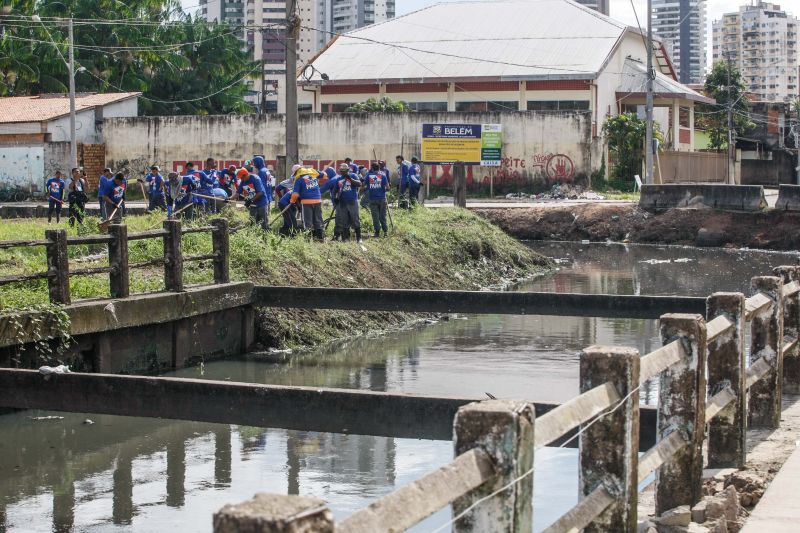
(451, 149)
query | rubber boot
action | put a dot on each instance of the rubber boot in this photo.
(319, 235)
(346, 235)
(358, 235)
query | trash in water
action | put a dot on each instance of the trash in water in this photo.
(661, 261)
(47, 370)
(40, 418)
(88, 422)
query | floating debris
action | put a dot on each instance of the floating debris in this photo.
(43, 418)
(47, 370)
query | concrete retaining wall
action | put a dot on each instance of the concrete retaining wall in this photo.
(725, 197)
(788, 198)
(538, 148)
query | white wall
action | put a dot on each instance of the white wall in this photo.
(538, 147)
(22, 165)
(85, 131)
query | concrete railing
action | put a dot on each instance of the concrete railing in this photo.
(704, 380)
(58, 272)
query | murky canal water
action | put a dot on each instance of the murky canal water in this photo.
(136, 474)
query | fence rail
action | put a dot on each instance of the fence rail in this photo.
(58, 272)
(703, 381)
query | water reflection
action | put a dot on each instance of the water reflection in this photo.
(131, 474)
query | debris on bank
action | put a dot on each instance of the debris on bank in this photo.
(559, 191)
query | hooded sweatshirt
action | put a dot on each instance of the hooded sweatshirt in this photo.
(266, 177)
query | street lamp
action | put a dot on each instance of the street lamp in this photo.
(70, 64)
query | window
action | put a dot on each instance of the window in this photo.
(428, 106)
(486, 106)
(334, 108)
(558, 105)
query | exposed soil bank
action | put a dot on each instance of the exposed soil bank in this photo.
(772, 230)
(429, 249)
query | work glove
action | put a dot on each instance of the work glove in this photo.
(248, 202)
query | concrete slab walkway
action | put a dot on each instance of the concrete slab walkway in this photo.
(778, 511)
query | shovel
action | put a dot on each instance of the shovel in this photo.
(104, 224)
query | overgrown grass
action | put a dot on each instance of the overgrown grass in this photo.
(428, 248)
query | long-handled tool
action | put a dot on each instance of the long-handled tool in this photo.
(218, 199)
(274, 220)
(103, 226)
(182, 209)
(333, 215)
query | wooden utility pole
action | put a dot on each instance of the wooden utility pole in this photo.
(648, 150)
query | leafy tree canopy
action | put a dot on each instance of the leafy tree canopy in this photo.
(626, 134)
(181, 64)
(725, 85)
(382, 105)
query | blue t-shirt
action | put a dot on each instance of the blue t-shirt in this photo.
(114, 192)
(207, 179)
(155, 184)
(55, 188)
(346, 187)
(285, 199)
(248, 189)
(184, 194)
(307, 188)
(377, 185)
(101, 183)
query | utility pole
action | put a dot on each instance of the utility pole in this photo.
(263, 108)
(796, 134)
(292, 31)
(648, 150)
(731, 173)
(73, 145)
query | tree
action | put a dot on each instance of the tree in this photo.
(383, 105)
(626, 135)
(725, 85)
(180, 64)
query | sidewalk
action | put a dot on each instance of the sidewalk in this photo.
(778, 511)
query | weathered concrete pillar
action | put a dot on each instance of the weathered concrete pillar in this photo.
(682, 407)
(222, 456)
(182, 341)
(609, 447)
(122, 504)
(459, 185)
(766, 342)
(504, 430)
(173, 256)
(727, 432)
(248, 327)
(176, 472)
(57, 266)
(64, 506)
(118, 260)
(274, 513)
(292, 464)
(791, 329)
(220, 240)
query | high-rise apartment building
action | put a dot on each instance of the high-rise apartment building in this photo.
(682, 26)
(597, 5)
(263, 32)
(761, 41)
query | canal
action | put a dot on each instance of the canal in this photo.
(73, 472)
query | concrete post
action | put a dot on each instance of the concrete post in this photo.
(64, 505)
(57, 266)
(274, 513)
(682, 407)
(220, 239)
(222, 456)
(504, 430)
(791, 329)
(122, 502)
(173, 256)
(118, 260)
(459, 185)
(727, 432)
(609, 447)
(766, 341)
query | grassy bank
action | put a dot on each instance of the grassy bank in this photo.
(429, 248)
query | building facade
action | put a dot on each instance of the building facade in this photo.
(263, 23)
(598, 5)
(682, 25)
(761, 41)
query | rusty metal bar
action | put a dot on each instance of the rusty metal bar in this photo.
(717, 327)
(661, 453)
(482, 302)
(660, 359)
(574, 412)
(409, 505)
(755, 304)
(582, 514)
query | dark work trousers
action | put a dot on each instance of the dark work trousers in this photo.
(259, 216)
(157, 202)
(347, 215)
(312, 216)
(290, 226)
(379, 208)
(76, 209)
(56, 206)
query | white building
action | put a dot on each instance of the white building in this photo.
(558, 55)
(761, 40)
(682, 25)
(35, 132)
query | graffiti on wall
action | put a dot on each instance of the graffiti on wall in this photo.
(513, 171)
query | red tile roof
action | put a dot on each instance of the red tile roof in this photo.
(49, 106)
